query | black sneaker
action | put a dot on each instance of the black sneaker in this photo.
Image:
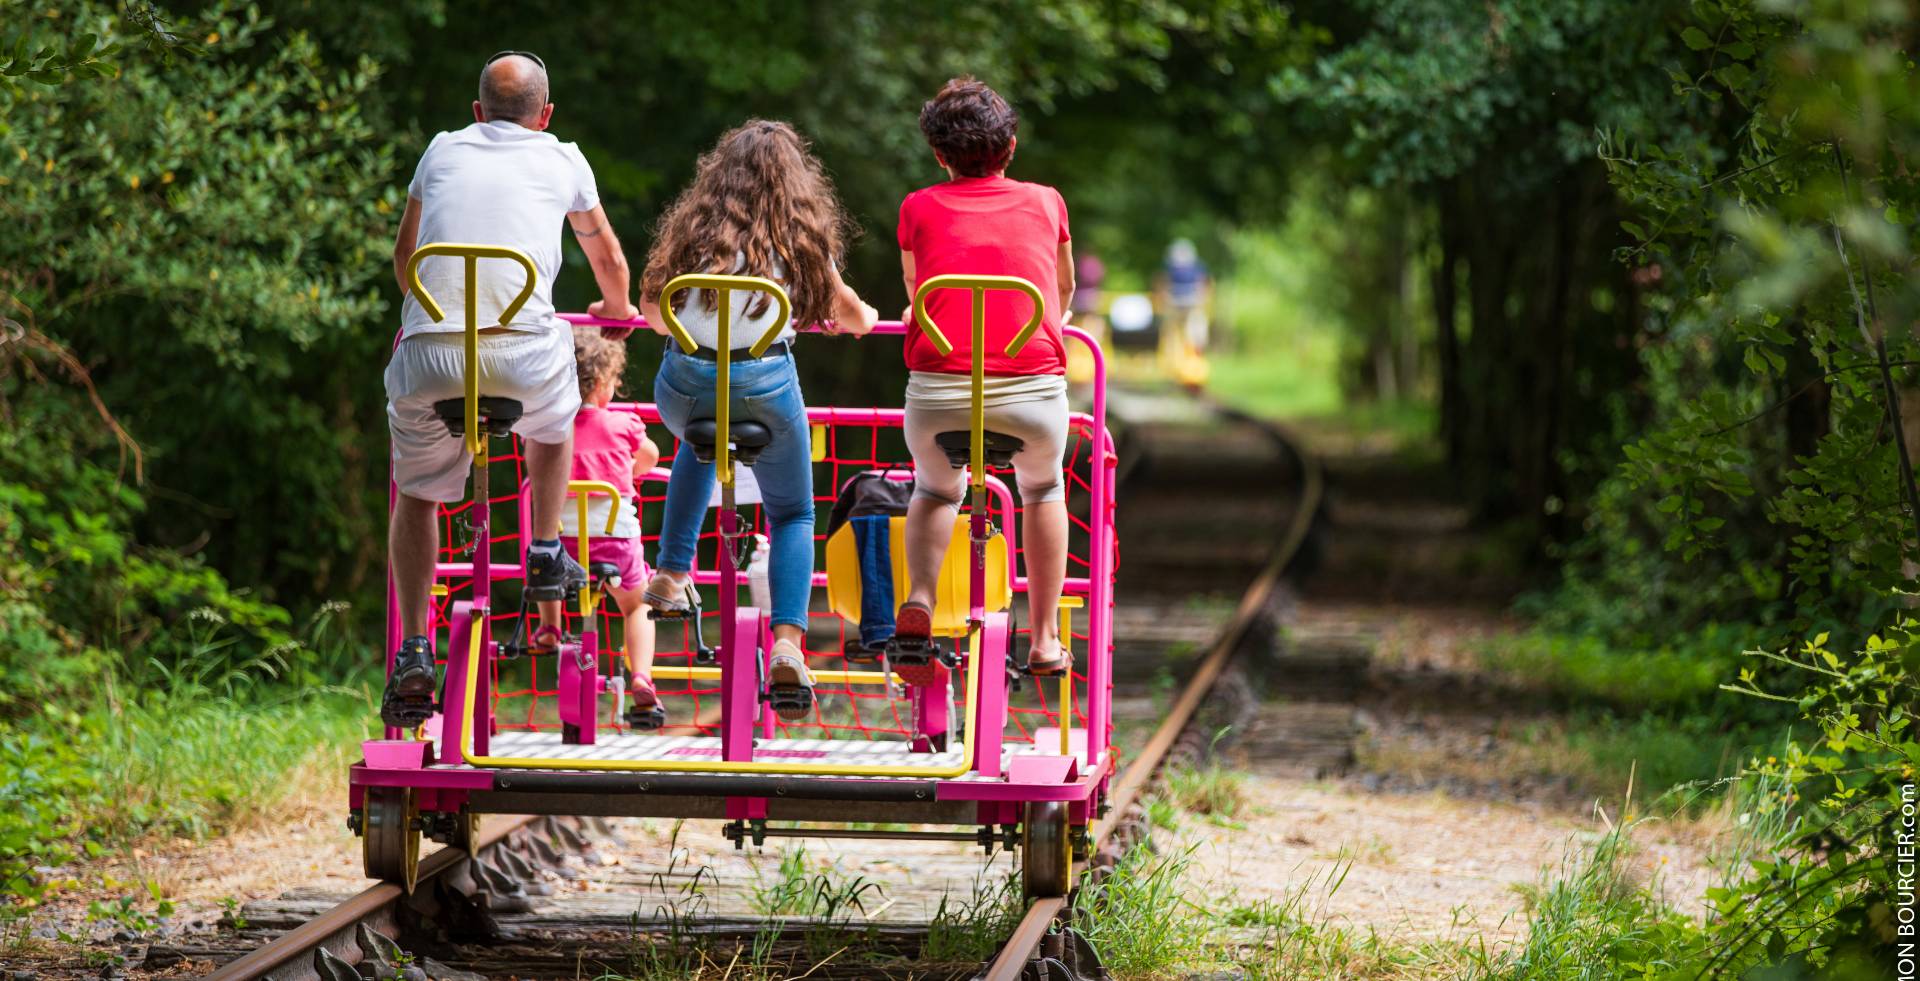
(554, 576)
(408, 701)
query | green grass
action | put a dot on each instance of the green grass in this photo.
(1213, 792)
(1274, 384)
(187, 749)
(1585, 669)
(1658, 712)
(1141, 920)
(1594, 920)
(972, 928)
(1292, 936)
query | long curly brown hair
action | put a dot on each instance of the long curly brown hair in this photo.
(761, 194)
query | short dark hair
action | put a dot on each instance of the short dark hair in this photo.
(970, 127)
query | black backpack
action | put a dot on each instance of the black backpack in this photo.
(869, 492)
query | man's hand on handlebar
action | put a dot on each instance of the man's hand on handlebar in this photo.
(626, 311)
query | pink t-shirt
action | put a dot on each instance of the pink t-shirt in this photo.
(604, 443)
(987, 226)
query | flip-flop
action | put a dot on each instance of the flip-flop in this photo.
(1050, 667)
(546, 640)
(644, 711)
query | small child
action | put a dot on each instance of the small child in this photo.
(610, 446)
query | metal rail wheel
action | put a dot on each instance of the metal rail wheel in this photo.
(390, 841)
(1046, 849)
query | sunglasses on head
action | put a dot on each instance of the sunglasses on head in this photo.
(530, 56)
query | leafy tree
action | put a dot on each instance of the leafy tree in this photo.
(1485, 114)
(203, 231)
(189, 238)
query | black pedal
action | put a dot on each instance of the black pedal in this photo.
(646, 719)
(670, 616)
(406, 711)
(914, 651)
(790, 699)
(859, 653)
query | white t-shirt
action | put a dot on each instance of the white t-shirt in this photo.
(495, 183)
(703, 324)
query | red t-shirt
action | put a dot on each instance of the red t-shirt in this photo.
(987, 226)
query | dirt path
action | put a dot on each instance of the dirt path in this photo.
(1380, 814)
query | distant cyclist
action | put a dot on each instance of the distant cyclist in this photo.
(1189, 292)
(501, 181)
(1089, 273)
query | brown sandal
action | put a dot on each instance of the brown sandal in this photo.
(1050, 667)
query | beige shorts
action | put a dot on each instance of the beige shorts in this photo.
(1041, 424)
(429, 463)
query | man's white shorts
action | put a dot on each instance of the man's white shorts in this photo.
(536, 368)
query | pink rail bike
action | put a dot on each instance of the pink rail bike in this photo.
(1022, 762)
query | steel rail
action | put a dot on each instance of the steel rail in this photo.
(1132, 782)
(303, 939)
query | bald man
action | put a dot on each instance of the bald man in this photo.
(502, 181)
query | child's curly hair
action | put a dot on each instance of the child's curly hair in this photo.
(597, 360)
(971, 127)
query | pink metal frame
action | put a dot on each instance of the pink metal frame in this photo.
(1077, 780)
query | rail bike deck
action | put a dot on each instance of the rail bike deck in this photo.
(545, 785)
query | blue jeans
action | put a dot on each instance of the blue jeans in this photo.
(767, 391)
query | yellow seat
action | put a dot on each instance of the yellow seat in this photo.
(950, 597)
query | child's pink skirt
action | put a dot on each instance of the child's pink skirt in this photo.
(623, 553)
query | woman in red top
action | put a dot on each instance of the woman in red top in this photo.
(980, 223)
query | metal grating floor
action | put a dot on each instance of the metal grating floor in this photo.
(636, 747)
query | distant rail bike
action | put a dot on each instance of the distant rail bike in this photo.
(1024, 762)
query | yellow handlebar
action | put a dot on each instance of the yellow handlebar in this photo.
(583, 489)
(724, 286)
(475, 440)
(979, 285)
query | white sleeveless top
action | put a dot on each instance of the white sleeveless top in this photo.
(703, 323)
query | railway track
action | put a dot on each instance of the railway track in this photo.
(1199, 479)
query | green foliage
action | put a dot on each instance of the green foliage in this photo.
(1823, 901)
(203, 233)
(1772, 214)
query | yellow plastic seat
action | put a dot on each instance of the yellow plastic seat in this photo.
(950, 597)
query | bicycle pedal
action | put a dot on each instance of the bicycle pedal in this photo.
(406, 711)
(912, 650)
(646, 719)
(859, 653)
(790, 700)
